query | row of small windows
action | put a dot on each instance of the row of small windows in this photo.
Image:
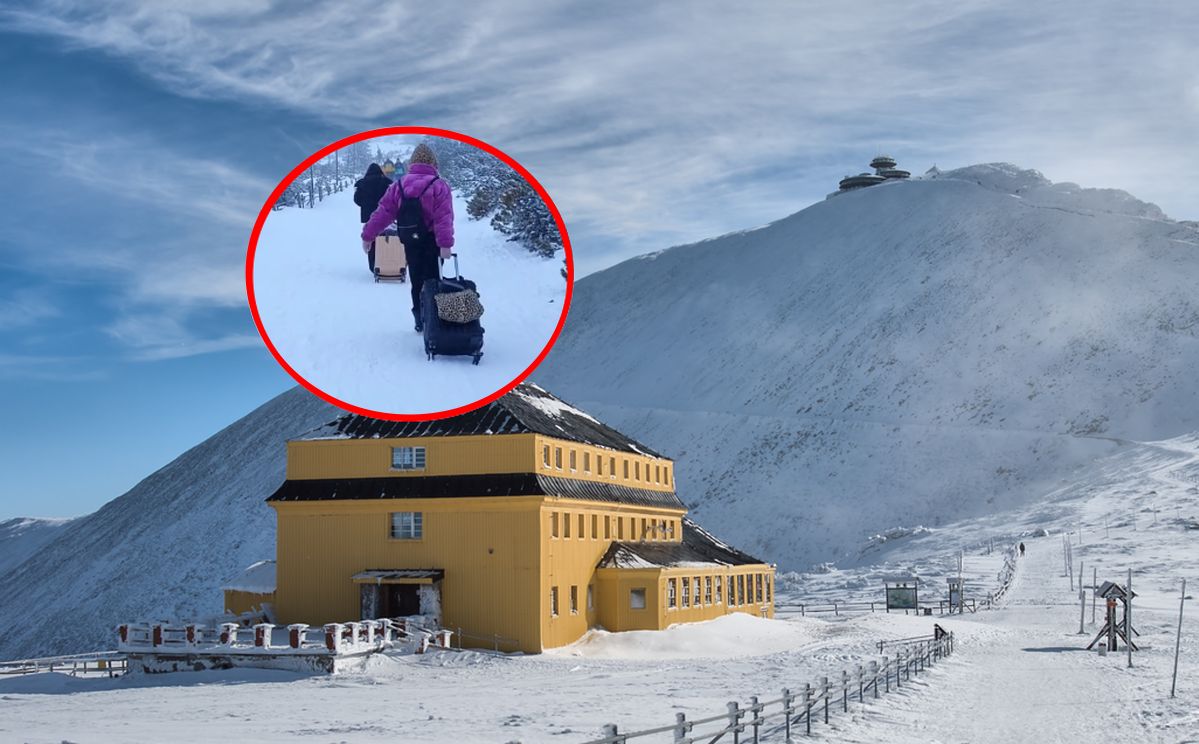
(606, 465)
(697, 591)
(574, 599)
(608, 527)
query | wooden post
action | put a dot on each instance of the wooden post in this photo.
(788, 698)
(755, 710)
(844, 690)
(1094, 591)
(874, 677)
(333, 637)
(734, 719)
(824, 683)
(156, 637)
(886, 675)
(680, 726)
(610, 731)
(1128, 621)
(861, 688)
(807, 704)
(1182, 598)
(1082, 609)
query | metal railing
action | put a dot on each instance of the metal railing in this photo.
(111, 663)
(795, 711)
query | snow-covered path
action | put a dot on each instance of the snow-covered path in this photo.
(1022, 673)
(354, 339)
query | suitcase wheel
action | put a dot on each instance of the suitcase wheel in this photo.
(476, 359)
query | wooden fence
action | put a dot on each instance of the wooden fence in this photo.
(796, 710)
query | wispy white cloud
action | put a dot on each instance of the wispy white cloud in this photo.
(26, 307)
(637, 116)
(167, 335)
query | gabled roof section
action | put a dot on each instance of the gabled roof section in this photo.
(526, 409)
(699, 548)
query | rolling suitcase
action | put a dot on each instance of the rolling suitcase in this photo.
(390, 263)
(443, 338)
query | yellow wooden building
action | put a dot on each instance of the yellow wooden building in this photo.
(523, 523)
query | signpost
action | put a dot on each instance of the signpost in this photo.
(902, 593)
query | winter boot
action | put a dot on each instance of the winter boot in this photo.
(420, 327)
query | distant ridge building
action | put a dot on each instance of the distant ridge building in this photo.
(523, 523)
(884, 170)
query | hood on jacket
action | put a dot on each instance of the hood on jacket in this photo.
(374, 170)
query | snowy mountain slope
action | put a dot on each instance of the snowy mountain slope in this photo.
(163, 548)
(354, 338)
(20, 537)
(910, 353)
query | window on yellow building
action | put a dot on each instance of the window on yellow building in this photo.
(740, 589)
(599, 464)
(662, 529)
(644, 528)
(590, 597)
(719, 589)
(637, 598)
(666, 474)
(545, 455)
(554, 524)
(749, 589)
(770, 587)
(611, 467)
(565, 525)
(554, 601)
(672, 593)
(558, 457)
(657, 474)
(670, 530)
(574, 460)
(407, 525)
(574, 599)
(407, 458)
(626, 469)
(686, 591)
(620, 528)
(594, 526)
(708, 590)
(758, 586)
(582, 525)
(586, 462)
(697, 592)
(607, 527)
(637, 470)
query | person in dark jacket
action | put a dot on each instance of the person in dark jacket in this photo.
(368, 190)
(423, 183)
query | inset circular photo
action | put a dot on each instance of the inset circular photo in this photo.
(409, 273)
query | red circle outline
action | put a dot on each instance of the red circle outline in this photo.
(383, 132)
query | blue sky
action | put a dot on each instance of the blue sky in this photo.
(137, 143)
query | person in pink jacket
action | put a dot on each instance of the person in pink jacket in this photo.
(432, 237)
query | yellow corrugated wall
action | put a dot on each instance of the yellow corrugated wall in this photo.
(488, 548)
(371, 458)
(239, 602)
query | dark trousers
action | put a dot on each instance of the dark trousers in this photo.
(422, 265)
(370, 257)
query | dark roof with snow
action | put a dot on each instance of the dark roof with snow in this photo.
(697, 546)
(527, 409)
(465, 486)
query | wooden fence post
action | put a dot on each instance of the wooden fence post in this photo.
(844, 691)
(755, 710)
(735, 721)
(860, 688)
(787, 699)
(610, 731)
(874, 676)
(807, 702)
(680, 726)
(824, 683)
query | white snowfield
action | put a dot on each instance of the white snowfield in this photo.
(1018, 674)
(911, 353)
(354, 339)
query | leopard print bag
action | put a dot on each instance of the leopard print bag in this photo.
(458, 307)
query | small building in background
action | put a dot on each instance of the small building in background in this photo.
(252, 593)
(519, 525)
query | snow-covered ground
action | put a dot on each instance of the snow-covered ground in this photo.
(1019, 673)
(354, 339)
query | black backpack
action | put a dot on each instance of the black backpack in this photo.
(410, 219)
